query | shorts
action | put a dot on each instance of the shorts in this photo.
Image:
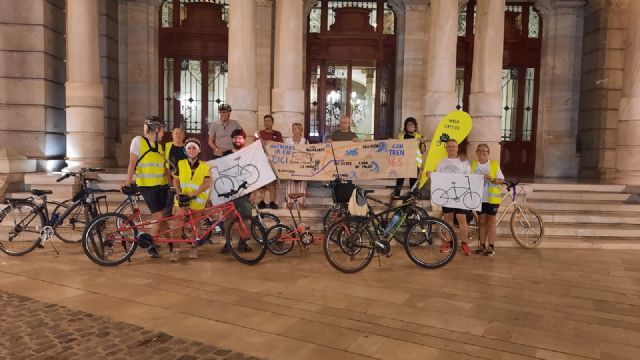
(489, 209)
(447, 210)
(156, 197)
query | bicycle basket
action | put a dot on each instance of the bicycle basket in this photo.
(342, 192)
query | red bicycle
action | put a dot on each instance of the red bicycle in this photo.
(281, 237)
(112, 238)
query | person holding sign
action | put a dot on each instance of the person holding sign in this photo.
(268, 134)
(192, 179)
(344, 133)
(296, 186)
(453, 164)
(411, 132)
(493, 178)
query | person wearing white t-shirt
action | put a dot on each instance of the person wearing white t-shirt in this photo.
(452, 164)
(493, 178)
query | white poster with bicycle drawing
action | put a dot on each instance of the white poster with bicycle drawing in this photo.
(249, 165)
(458, 191)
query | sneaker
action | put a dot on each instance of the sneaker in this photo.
(193, 254)
(273, 205)
(224, 249)
(262, 205)
(480, 250)
(173, 256)
(490, 251)
(153, 252)
(243, 247)
(465, 249)
(445, 248)
(200, 242)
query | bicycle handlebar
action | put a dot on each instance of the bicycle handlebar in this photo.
(81, 173)
(233, 192)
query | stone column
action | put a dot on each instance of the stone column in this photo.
(413, 57)
(628, 140)
(242, 93)
(84, 100)
(440, 59)
(485, 99)
(288, 93)
(559, 88)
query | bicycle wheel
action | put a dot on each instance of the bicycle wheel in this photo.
(439, 197)
(250, 173)
(335, 213)
(267, 220)
(242, 245)
(70, 228)
(424, 240)
(110, 239)
(280, 239)
(527, 227)
(471, 200)
(223, 184)
(348, 245)
(20, 225)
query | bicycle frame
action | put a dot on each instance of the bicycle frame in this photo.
(466, 189)
(514, 204)
(298, 228)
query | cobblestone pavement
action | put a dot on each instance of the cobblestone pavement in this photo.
(31, 329)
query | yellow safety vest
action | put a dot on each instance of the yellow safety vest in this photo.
(495, 195)
(418, 153)
(167, 151)
(150, 170)
(191, 183)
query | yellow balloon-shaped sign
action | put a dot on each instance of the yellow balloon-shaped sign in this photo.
(457, 126)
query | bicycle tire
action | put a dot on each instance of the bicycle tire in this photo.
(527, 218)
(241, 243)
(93, 244)
(275, 244)
(223, 184)
(77, 215)
(471, 200)
(340, 237)
(254, 173)
(30, 242)
(260, 219)
(433, 233)
(438, 195)
(333, 214)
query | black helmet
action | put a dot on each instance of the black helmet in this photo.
(154, 122)
(224, 107)
(238, 132)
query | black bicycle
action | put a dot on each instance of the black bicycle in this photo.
(27, 223)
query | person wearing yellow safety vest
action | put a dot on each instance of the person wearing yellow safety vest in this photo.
(493, 179)
(147, 161)
(191, 178)
(410, 131)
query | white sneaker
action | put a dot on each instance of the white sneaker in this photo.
(193, 254)
(174, 256)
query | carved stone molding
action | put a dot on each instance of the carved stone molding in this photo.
(264, 3)
(593, 5)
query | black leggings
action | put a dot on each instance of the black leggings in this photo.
(400, 181)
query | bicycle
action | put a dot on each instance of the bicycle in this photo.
(284, 236)
(112, 238)
(470, 199)
(351, 237)
(237, 174)
(25, 224)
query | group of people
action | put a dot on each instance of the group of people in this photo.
(178, 164)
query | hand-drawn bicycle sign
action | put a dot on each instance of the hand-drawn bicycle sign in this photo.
(445, 192)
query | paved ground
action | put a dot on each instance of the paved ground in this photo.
(31, 329)
(520, 304)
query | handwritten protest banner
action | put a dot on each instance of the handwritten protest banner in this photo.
(248, 165)
(457, 190)
(382, 159)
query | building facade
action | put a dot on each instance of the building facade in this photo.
(552, 85)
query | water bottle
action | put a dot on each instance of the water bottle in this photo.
(393, 222)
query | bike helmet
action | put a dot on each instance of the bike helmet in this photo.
(224, 107)
(238, 132)
(192, 140)
(154, 122)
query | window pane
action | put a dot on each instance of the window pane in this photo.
(190, 96)
(336, 93)
(534, 23)
(529, 84)
(362, 99)
(314, 20)
(166, 14)
(313, 103)
(460, 88)
(509, 103)
(216, 88)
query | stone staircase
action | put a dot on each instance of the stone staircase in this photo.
(576, 215)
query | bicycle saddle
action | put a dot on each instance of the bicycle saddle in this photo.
(130, 190)
(36, 192)
(295, 196)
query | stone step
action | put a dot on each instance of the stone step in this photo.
(583, 206)
(567, 242)
(581, 230)
(578, 196)
(578, 187)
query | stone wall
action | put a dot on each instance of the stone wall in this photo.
(32, 76)
(413, 67)
(602, 75)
